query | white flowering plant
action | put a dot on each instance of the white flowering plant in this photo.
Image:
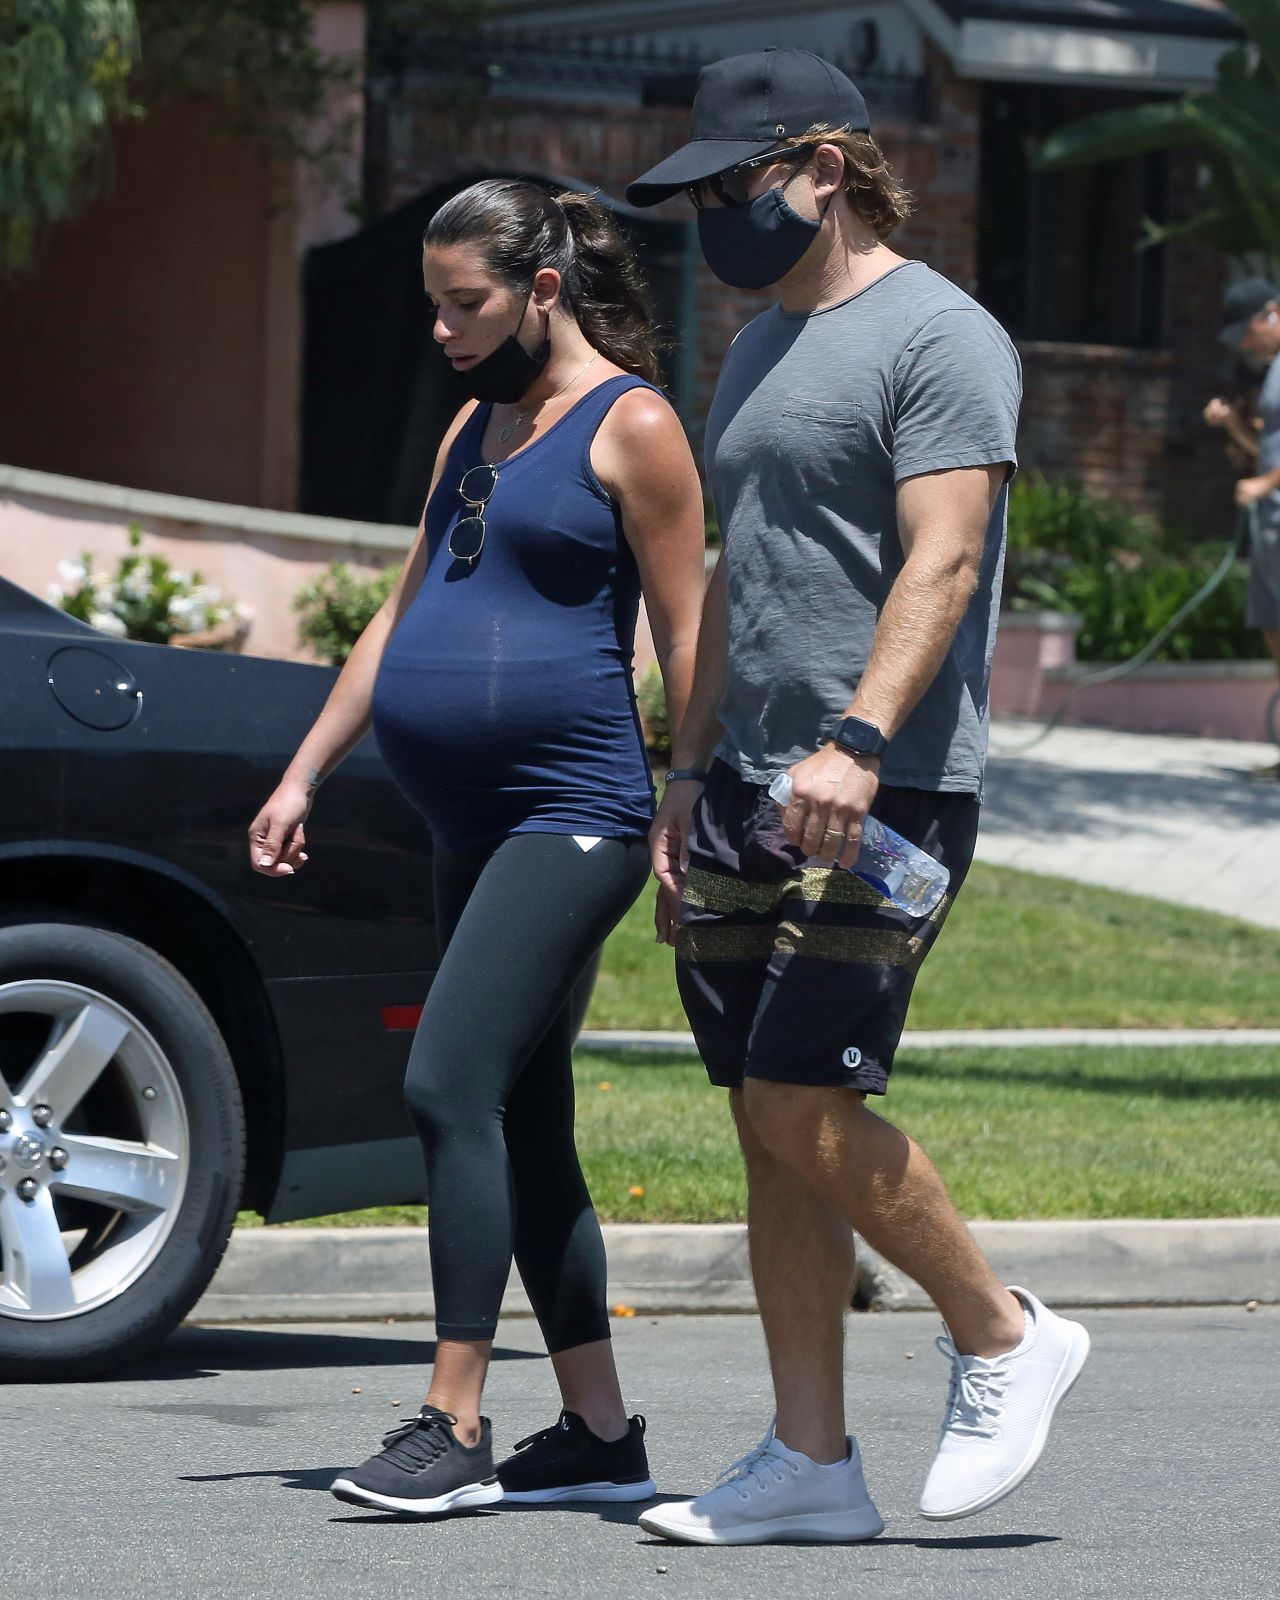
(146, 599)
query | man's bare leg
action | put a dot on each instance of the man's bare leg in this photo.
(803, 1268)
(882, 1183)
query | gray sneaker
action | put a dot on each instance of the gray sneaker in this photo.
(423, 1471)
(773, 1495)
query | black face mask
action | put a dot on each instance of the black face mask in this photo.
(506, 374)
(752, 246)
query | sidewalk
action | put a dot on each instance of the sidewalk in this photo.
(1175, 818)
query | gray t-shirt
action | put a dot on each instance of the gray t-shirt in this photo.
(815, 420)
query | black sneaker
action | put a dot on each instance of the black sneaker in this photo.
(423, 1470)
(568, 1462)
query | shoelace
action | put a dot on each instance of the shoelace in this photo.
(758, 1467)
(559, 1428)
(541, 1436)
(975, 1399)
(419, 1441)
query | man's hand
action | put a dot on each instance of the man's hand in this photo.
(1249, 490)
(1217, 413)
(669, 849)
(830, 797)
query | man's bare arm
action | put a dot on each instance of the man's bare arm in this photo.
(942, 521)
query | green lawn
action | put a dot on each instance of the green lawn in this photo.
(1020, 950)
(1061, 1132)
(1109, 1132)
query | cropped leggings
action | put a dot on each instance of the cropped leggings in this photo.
(490, 1082)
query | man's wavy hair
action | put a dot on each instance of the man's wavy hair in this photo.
(874, 193)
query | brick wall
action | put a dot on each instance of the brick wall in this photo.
(606, 145)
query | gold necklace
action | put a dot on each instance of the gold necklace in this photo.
(518, 422)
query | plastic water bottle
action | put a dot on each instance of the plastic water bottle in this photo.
(907, 876)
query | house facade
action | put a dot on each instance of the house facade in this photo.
(213, 328)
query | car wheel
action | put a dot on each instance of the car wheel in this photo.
(121, 1149)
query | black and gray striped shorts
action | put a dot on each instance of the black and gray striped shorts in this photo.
(803, 973)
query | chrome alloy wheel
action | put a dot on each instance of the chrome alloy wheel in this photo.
(94, 1149)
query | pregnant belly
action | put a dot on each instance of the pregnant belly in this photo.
(460, 708)
(462, 736)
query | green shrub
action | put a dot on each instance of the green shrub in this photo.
(1122, 607)
(1075, 552)
(336, 609)
(1065, 520)
(146, 599)
(651, 697)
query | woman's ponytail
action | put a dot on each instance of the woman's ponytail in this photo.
(605, 291)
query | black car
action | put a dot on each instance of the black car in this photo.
(180, 1036)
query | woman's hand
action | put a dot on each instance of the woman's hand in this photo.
(669, 848)
(831, 795)
(277, 843)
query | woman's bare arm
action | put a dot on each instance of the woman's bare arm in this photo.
(276, 836)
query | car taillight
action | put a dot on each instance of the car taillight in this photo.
(400, 1019)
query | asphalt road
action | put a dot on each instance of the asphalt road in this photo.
(203, 1472)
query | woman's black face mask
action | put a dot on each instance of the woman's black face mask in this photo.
(506, 374)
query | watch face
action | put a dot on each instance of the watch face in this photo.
(860, 738)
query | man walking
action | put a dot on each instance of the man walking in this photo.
(858, 449)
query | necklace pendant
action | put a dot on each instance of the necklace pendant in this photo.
(505, 433)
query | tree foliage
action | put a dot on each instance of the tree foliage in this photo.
(1235, 126)
(64, 69)
(69, 68)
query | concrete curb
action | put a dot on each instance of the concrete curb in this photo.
(331, 1274)
(663, 1041)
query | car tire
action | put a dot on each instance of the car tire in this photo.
(122, 1138)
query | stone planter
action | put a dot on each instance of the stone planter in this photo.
(1029, 644)
(1035, 670)
(1214, 699)
(228, 636)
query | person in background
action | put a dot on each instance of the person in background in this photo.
(1251, 330)
(497, 678)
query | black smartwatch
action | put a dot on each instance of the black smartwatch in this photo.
(860, 738)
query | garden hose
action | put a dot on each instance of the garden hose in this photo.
(1246, 529)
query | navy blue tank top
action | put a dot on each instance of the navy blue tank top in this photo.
(504, 702)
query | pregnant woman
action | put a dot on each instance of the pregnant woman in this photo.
(497, 678)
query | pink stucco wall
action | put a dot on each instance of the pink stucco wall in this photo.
(259, 558)
(1034, 673)
(262, 558)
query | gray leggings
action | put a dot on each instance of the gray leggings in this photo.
(490, 1082)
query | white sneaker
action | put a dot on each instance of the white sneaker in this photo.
(999, 1411)
(771, 1495)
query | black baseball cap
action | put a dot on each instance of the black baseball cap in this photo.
(1241, 304)
(743, 106)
